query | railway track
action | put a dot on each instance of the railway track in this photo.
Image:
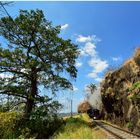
(116, 132)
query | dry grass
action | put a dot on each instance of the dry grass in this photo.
(129, 62)
(79, 127)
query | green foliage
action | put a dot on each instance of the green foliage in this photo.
(4, 108)
(43, 121)
(35, 56)
(10, 103)
(42, 128)
(130, 126)
(74, 128)
(42, 124)
(8, 122)
(135, 86)
(79, 127)
(134, 93)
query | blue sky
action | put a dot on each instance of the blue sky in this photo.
(106, 33)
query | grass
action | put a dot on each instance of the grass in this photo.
(79, 127)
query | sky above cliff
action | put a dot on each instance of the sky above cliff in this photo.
(106, 33)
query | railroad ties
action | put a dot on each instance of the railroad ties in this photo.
(116, 132)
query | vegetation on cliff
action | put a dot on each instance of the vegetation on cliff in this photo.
(120, 92)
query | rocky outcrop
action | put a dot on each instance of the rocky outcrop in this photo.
(120, 91)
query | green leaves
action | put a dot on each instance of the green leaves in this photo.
(134, 93)
(35, 55)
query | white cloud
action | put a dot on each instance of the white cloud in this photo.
(116, 58)
(93, 74)
(98, 64)
(79, 64)
(89, 49)
(75, 88)
(83, 39)
(98, 79)
(63, 27)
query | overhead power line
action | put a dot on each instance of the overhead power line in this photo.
(2, 5)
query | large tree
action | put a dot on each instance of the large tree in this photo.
(36, 55)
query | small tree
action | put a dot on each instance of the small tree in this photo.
(35, 56)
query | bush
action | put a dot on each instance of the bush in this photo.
(12, 125)
(42, 124)
(130, 126)
(134, 93)
(41, 128)
(8, 122)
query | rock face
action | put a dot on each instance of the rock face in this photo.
(120, 92)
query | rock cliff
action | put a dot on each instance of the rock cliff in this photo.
(120, 92)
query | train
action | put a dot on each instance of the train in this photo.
(94, 113)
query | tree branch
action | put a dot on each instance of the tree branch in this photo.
(13, 94)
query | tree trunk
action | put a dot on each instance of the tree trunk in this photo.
(33, 92)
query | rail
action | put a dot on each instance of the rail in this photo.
(116, 131)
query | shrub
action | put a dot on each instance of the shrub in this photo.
(41, 128)
(130, 126)
(8, 122)
(134, 93)
(42, 124)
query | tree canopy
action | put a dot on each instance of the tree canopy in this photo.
(35, 55)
